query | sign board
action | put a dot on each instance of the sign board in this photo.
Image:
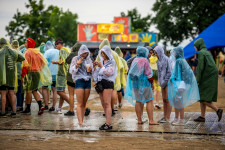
(110, 28)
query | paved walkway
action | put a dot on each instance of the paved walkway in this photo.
(122, 122)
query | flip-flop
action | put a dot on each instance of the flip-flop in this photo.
(153, 123)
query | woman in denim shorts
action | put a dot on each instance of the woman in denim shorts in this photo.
(81, 70)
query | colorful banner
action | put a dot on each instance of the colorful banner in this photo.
(134, 37)
(116, 38)
(110, 28)
(151, 38)
(125, 21)
(87, 32)
(124, 37)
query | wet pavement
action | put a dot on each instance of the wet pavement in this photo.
(122, 122)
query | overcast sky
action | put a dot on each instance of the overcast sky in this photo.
(89, 11)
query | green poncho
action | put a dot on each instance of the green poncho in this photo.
(207, 73)
(8, 69)
(124, 70)
(62, 68)
(119, 64)
(74, 53)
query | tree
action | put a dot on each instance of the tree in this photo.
(138, 24)
(64, 26)
(178, 20)
(43, 24)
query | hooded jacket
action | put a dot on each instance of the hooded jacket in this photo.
(163, 65)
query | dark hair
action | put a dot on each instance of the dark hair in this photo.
(59, 41)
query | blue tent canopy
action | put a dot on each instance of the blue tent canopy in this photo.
(214, 36)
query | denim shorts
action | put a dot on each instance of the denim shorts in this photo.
(60, 88)
(82, 84)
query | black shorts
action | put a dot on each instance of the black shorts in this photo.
(53, 85)
(4, 88)
(107, 84)
(71, 84)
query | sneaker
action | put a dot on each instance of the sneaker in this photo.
(51, 109)
(69, 113)
(120, 105)
(41, 111)
(178, 123)
(199, 119)
(219, 114)
(26, 112)
(163, 120)
(13, 114)
(157, 106)
(87, 111)
(105, 127)
(59, 110)
(115, 107)
(46, 107)
(175, 120)
(3, 115)
(113, 112)
(143, 119)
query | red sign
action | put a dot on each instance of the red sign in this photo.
(124, 21)
(87, 32)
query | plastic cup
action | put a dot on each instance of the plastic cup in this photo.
(88, 66)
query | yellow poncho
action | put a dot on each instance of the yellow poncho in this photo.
(124, 70)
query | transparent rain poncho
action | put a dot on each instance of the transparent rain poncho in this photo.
(51, 54)
(109, 69)
(8, 68)
(124, 70)
(62, 67)
(138, 87)
(182, 85)
(117, 84)
(81, 72)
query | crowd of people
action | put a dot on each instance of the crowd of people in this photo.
(50, 69)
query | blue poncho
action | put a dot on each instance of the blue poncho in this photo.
(182, 86)
(138, 87)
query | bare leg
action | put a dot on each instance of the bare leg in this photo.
(54, 92)
(157, 96)
(45, 95)
(149, 108)
(139, 111)
(28, 97)
(211, 105)
(71, 97)
(3, 100)
(36, 96)
(12, 100)
(80, 99)
(61, 101)
(203, 108)
(86, 96)
(107, 97)
(49, 95)
(120, 96)
(63, 95)
(182, 113)
(114, 98)
(176, 113)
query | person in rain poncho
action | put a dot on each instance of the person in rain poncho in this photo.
(164, 73)
(172, 58)
(139, 90)
(182, 86)
(20, 91)
(81, 70)
(123, 71)
(8, 74)
(31, 74)
(153, 64)
(42, 48)
(207, 79)
(70, 83)
(61, 73)
(105, 74)
(51, 54)
(119, 64)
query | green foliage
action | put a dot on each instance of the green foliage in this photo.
(138, 24)
(43, 24)
(181, 19)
